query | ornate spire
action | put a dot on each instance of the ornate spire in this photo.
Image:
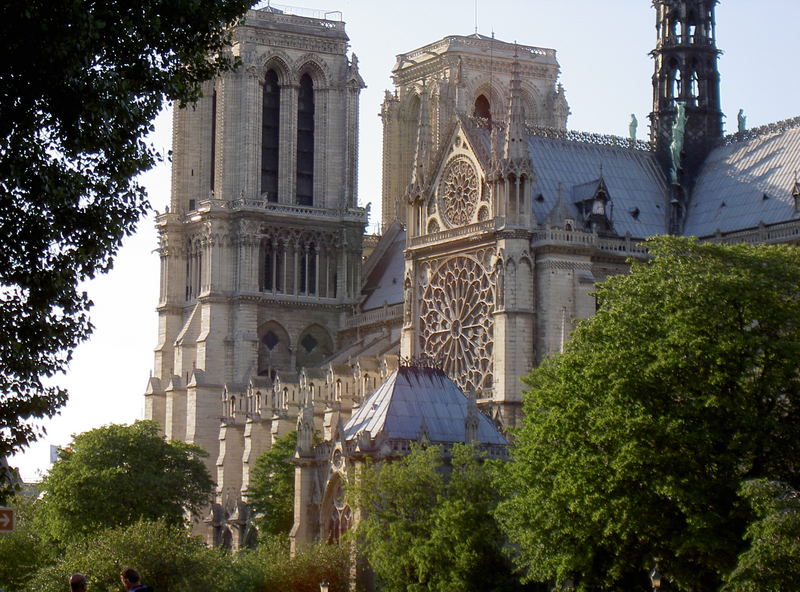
(305, 426)
(422, 152)
(516, 142)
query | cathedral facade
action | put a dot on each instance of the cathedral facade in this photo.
(277, 311)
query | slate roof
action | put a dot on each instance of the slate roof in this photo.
(385, 284)
(636, 185)
(731, 188)
(412, 395)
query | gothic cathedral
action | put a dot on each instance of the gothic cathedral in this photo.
(277, 312)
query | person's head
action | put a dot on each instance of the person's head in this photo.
(129, 577)
(77, 582)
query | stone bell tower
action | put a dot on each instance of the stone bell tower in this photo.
(261, 246)
(686, 80)
(459, 77)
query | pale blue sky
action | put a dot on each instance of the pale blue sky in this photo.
(603, 51)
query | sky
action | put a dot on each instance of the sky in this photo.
(602, 48)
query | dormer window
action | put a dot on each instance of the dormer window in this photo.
(594, 205)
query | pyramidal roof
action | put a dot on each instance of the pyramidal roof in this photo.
(412, 400)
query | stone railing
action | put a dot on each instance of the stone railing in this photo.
(379, 315)
(787, 232)
(288, 210)
(474, 42)
(590, 138)
(294, 14)
(450, 234)
(622, 246)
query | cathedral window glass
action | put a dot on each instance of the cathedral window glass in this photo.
(213, 155)
(305, 142)
(456, 322)
(270, 136)
(458, 192)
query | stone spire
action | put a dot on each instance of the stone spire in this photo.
(422, 152)
(305, 426)
(515, 148)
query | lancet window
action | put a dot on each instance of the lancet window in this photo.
(305, 142)
(213, 156)
(270, 136)
(482, 107)
(194, 272)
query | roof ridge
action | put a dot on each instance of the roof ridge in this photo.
(590, 138)
(762, 130)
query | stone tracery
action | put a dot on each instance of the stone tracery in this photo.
(458, 192)
(456, 326)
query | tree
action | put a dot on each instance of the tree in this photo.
(167, 557)
(21, 552)
(271, 567)
(116, 475)
(428, 526)
(772, 562)
(636, 440)
(81, 83)
(271, 492)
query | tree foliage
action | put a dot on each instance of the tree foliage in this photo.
(271, 492)
(22, 552)
(271, 568)
(117, 475)
(637, 439)
(80, 86)
(772, 562)
(428, 524)
(167, 557)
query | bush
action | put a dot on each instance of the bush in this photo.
(167, 557)
(21, 552)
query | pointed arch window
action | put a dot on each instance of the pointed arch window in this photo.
(308, 270)
(305, 142)
(270, 136)
(213, 155)
(273, 255)
(482, 108)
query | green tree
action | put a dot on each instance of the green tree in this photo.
(271, 492)
(636, 440)
(271, 568)
(168, 558)
(428, 523)
(116, 475)
(81, 83)
(772, 562)
(22, 552)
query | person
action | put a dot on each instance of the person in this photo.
(77, 582)
(132, 582)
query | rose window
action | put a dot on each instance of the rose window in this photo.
(456, 322)
(458, 192)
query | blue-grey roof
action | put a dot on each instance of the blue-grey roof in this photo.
(744, 183)
(636, 185)
(412, 396)
(387, 279)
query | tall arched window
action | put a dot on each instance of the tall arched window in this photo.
(305, 142)
(213, 156)
(270, 136)
(482, 108)
(308, 270)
